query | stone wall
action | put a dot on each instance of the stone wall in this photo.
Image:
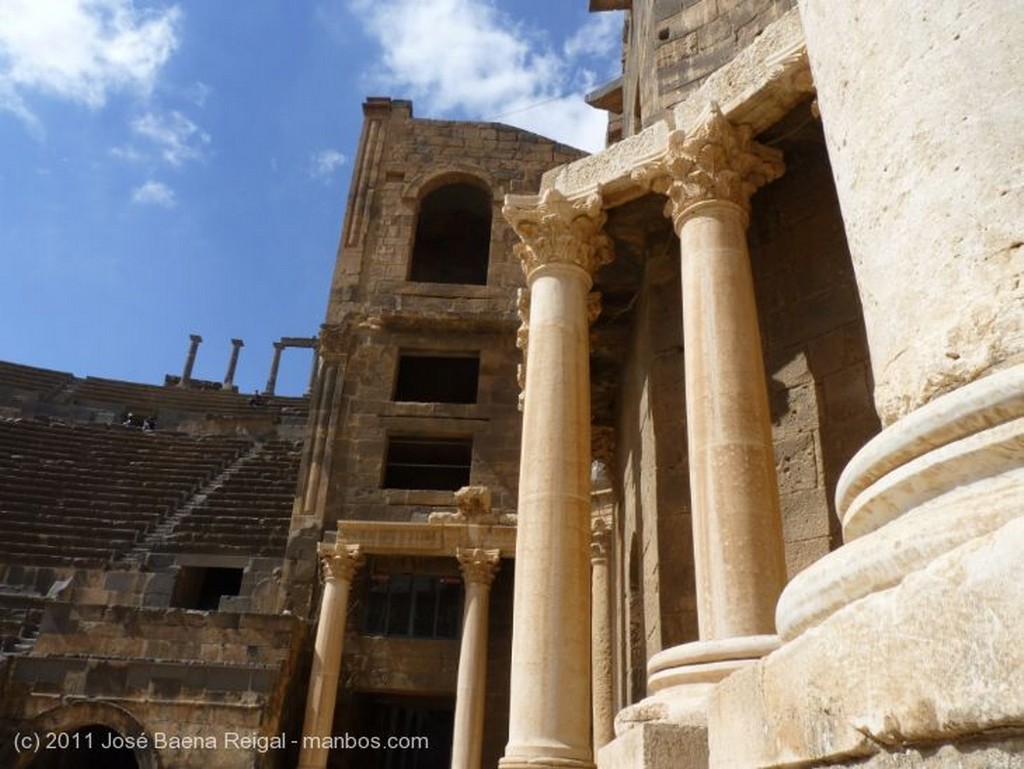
(673, 45)
(813, 334)
(401, 160)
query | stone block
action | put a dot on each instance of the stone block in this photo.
(656, 746)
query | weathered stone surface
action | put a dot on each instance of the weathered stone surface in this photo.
(842, 688)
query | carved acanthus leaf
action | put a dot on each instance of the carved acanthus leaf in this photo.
(556, 230)
(717, 161)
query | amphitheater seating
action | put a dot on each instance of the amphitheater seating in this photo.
(248, 512)
(153, 399)
(85, 494)
(40, 382)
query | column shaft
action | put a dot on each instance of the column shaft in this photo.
(737, 526)
(601, 638)
(478, 567)
(236, 346)
(190, 359)
(340, 563)
(549, 713)
(272, 379)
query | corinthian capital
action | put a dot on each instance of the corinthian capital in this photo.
(340, 560)
(718, 161)
(478, 565)
(555, 229)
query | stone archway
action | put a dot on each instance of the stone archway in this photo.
(88, 735)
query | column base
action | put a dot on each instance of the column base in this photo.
(543, 762)
(705, 662)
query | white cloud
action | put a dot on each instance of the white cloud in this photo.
(80, 50)
(153, 193)
(478, 62)
(324, 163)
(176, 137)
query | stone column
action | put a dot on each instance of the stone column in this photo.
(229, 378)
(340, 562)
(313, 369)
(478, 570)
(190, 359)
(927, 171)
(272, 379)
(601, 636)
(709, 176)
(549, 716)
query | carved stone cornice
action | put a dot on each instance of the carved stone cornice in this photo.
(719, 161)
(478, 564)
(557, 230)
(340, 560)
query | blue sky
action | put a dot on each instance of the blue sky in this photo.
(174, 168)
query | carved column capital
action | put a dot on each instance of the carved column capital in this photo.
(340, 560)
(478, 564)
(600, 540)
(557, 230)
(717, 162)
(333, 342)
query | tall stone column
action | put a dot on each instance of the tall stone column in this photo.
(601, 636)
(709, 176)
(549, 716)
(340, 562)
(272, 379)
(478, 569)
(927, 172)
(229, 378)
(190, 359)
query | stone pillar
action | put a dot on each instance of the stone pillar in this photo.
(601, 636)
(740, 566)
(190, 359)
(549, 720)
(313, 369)
(478, 569)
(272, 379)
(926, 157)
(229, 378)
(927, 172)
(340, 562)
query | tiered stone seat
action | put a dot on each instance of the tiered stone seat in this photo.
(40, 382)
(143, 399)
(20, 615)
(85, 494)
(250, 510)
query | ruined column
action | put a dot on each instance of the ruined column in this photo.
(340, 562)
(229, 378)
(272, 379)
(562, 245)
(478, 569)
(601, 636)
(709, 176)
(190, 359)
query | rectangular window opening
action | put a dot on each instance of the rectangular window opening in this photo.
(202, 587)
(437, 464)
(414, 606)
(437, 379)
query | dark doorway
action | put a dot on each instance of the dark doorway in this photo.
(90, 747)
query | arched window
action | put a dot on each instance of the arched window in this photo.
(453, 236)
